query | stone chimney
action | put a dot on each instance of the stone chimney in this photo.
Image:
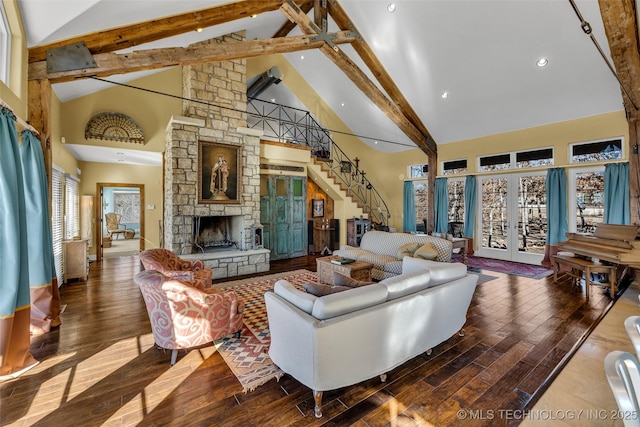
(217, 112)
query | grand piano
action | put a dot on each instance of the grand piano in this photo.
(617, 244)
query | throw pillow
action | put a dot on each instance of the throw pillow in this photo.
(408, 249)
(426, 251)
(342, 280)
(321, 289)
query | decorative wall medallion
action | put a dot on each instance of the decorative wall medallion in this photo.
(114, 127)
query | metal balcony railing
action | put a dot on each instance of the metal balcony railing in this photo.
(295, 126)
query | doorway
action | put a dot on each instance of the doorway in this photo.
(124, 203)
(512, 222)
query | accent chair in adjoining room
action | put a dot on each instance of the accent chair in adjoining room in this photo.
(113, 225)
(170, 264)
(183, 317)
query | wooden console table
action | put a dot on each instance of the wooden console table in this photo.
(580, 265)
(358, 270)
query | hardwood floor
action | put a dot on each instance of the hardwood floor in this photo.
(101, 367)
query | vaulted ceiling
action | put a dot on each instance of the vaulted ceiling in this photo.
(384, 73)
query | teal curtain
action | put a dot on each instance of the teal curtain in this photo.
(409, 208)
(469, 206)
(441, 201)
(14, 262)
(617, 208)
(44, 295)
(556, 188)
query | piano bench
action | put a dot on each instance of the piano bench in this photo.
(580, 265)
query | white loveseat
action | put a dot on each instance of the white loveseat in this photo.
(380, 248)
(344, 338)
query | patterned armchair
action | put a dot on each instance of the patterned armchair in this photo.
(170, 264)
(183, 316)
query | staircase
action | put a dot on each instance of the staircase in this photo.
(331, 164)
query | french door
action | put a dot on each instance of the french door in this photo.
(512, 217)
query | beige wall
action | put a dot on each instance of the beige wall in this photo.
(152, 112)
(148, 176)
(387, 171)
(556, 135)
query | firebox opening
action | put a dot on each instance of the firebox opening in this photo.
(214, 233)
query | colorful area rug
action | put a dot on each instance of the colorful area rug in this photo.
(507, 267)
(247, 356)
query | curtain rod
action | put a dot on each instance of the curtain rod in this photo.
(20, 121)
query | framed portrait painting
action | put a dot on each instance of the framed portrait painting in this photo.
(219, 172)
(317, 208)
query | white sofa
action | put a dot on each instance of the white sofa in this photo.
(380, 248)
(344, 338)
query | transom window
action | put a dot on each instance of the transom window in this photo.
(596, 151)
(494, 163)
(517, 159)
(454, 167)
(418, 171)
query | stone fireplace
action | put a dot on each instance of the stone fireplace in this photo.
(214, 113)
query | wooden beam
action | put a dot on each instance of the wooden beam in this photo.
(111, 63)
(319, 12)
(373, 63)
(288, 26)
(360, 79)
(620, 19)
(621, 27)
(39, 111)
(145, 32)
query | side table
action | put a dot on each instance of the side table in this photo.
(326, 236)
(358, 270)
(461, 243)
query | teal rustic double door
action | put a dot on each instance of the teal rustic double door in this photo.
(283, 213)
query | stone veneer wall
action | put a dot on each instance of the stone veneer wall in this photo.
(220, 84)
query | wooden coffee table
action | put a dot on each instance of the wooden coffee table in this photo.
(358, 270)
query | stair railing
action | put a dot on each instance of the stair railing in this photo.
(296, 126)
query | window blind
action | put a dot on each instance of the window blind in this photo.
(72, 207)
(56, 220)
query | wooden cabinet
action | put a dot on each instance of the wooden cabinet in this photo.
(283, 214)
(76, 260)
(356, 229)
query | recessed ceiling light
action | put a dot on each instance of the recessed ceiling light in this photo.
(301, 56)
(255, 15)
(375, 142)
(342, 104)
(444, 95)
(198, 30)
(542, 62)
(273, 100)
(391, 7)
